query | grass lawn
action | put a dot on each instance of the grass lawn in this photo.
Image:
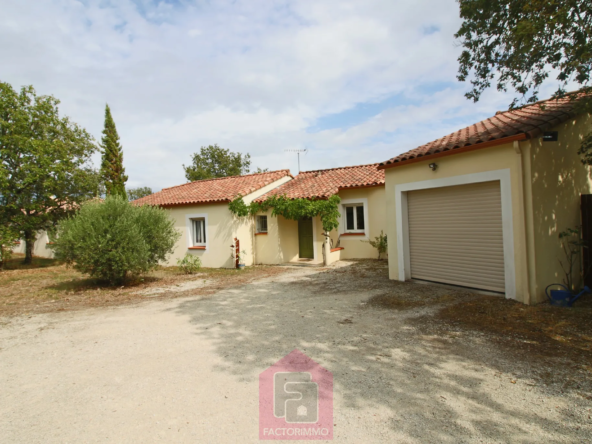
(47, 285)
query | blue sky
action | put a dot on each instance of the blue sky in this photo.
(354, 82)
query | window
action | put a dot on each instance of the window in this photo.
(261, 224)
(198, 231)
(354, 218)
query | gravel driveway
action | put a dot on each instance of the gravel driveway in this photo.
(186, 370)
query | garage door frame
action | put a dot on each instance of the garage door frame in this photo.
(503, 176)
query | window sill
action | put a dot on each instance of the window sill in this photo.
(354, 234)
(261, 234)
(197, 248)
(337, 249)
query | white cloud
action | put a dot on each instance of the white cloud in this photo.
(251, 75)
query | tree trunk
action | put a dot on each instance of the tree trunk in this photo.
(29, 244)
(326, 249)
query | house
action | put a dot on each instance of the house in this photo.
(483, 207)
(363, 217)
(200, 211)
(201, 214)
(41, 247)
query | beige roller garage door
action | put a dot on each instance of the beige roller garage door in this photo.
(455, 235)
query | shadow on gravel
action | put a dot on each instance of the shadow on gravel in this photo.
(437, 385)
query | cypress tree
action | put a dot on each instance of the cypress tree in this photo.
(112, 164)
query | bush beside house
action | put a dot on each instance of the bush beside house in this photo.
(114, 240)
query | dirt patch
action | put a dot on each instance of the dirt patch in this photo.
(408, 296)
(179, 287)
(389, 302)
(54, 287)
(553, 345)
(540, 329)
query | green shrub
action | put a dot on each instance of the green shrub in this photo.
(114, 240)
(190, 264)
(380, 243)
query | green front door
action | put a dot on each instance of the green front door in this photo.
(305, 245)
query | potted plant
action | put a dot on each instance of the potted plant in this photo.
(571, 244)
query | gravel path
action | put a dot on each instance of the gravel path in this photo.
(186, 370)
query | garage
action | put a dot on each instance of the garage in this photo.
(456, 235)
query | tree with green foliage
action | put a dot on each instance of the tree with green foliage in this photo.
(45, 169)
(114, 240)
(8, 236)
(212, 162)
(112, 168)
(137, 193)
(519, 43)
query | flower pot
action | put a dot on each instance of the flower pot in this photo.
(241, 266)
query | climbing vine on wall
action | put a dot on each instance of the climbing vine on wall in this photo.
(293, 209)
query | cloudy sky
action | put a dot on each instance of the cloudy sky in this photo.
(352, 81)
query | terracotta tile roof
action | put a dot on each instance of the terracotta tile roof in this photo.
(322, 184)
(222, 189)
(526, 122)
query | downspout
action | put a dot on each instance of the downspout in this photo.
(526, 217)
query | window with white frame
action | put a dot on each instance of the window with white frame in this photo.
(261, 224)
(354, 218)
(198, 231)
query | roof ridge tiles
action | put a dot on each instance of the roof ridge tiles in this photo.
(227, 177)
(339, 168)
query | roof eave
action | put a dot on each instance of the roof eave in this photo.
(186, 204)
(355, 187)
(461, 150)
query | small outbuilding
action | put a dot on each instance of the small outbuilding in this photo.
(483, 207)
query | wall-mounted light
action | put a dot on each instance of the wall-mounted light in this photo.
(433, 166)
